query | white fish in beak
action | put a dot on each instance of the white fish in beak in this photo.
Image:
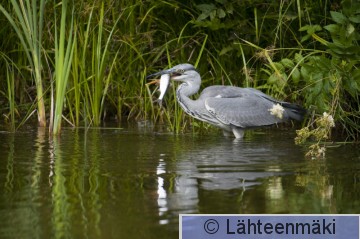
(164, 83)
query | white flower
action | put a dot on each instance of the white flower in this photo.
(277, 110)
(329, 119)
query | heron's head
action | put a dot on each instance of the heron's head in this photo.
(182, 72)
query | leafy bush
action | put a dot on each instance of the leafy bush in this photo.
(328, 76)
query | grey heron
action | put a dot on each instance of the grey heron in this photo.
(233, 109)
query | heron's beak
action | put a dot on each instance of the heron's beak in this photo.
(168, 71)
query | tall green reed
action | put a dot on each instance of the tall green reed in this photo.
(64, 48)
(10, 79)
(11, 110)
(101, 67)
(78, 103)
(93, 66)
(27, 21)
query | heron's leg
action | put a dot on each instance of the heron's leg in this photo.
(239, 133)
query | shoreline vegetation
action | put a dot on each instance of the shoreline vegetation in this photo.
(83, 62)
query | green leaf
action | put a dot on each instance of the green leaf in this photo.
(221, 13)
(316, 89)
(202, 17)
(351, 87)
(212, 14)
(317, 28)
(287, 63)
(338, 17)
(350, 29)
(279, 66)
(304, 28)
(225, 50)
(295, 76)
(304, 38)
(305, 73)
(323, 64)
(298, 57)
(206, 8)
(310, 29)
(281, 80)
(333, 28)
(272, 79)
(355, 19)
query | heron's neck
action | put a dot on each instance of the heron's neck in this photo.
(186, 89)
(182, 94)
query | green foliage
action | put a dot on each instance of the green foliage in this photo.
(213, 16)
(310, 31)
(327, 78)
(301, 51)
(332, 79)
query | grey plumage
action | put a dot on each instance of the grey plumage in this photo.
(233, 109)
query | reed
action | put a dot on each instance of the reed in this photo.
(101, 67)
(64, 48)
(93, 67)
(27, 21)
(10, 80)
(10, 68)
(74, 94)
(78, 102)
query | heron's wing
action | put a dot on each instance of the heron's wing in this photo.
(222, 91)
(244, 110)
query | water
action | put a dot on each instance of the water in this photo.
(134, 182)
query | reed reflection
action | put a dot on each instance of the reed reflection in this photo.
(75, 183)
(9, 182)
(61, 215)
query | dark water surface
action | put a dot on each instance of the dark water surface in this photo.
(134, 182)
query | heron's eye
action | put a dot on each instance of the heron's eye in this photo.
(181, 71)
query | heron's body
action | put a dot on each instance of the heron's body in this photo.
(233, 109)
